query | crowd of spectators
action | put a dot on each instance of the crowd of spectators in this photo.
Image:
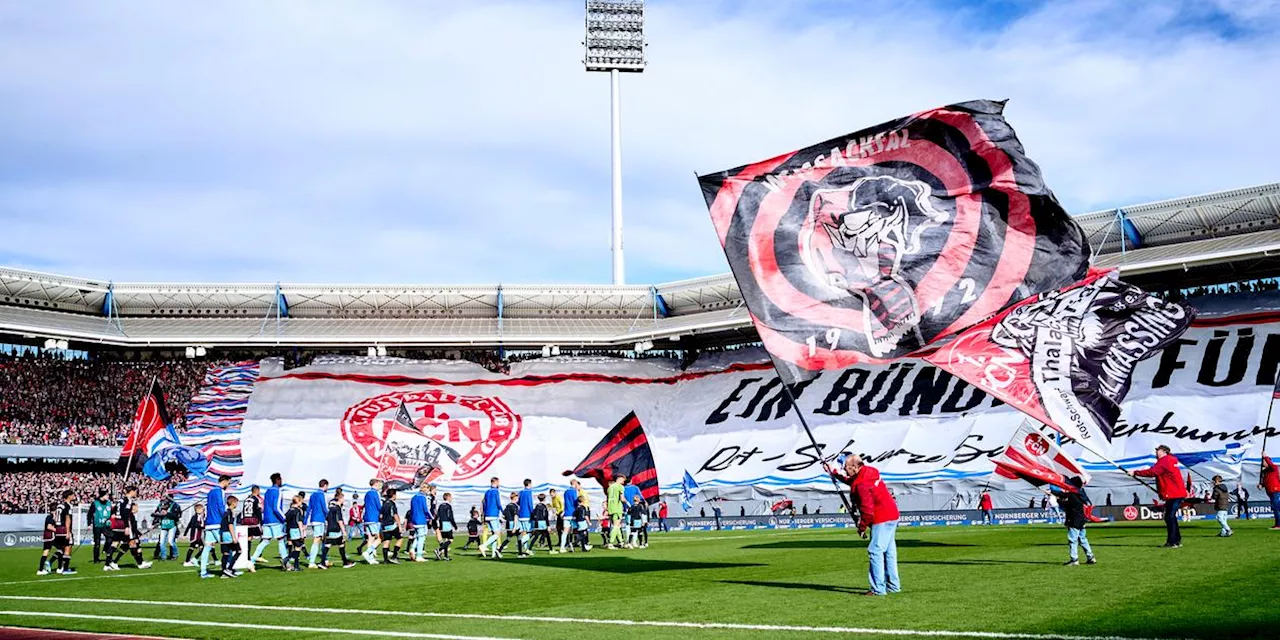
(1252, 286)
(34, 491)
(49, 400)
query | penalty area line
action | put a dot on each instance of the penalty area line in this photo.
(242, 625)
(733, 626)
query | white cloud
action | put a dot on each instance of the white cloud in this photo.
(462, 142)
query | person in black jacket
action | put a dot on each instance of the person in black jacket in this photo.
(541, 521)
(195, 536)
(227, 538)
(473, 529)
(294, 519)
(446, 525)
(1072, 504)
(166, 518)
(389, 521)
(335, 533)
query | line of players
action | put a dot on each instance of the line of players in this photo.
(124, 534)
(376, 521)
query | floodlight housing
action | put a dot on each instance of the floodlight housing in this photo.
(615, 35)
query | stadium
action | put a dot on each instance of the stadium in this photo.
(737, 455)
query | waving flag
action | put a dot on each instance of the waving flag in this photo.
(1066, 357)
(1036, 458)
(151, 428)
(688, 489)
(1227, 462)
(411, 459)
(622, 451)
(874, 245)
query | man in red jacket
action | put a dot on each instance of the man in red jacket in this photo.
(1269, 480)
(879, 513)
(1172, 491)
(986, 505)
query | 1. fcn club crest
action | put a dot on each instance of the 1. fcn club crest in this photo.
(422, 436)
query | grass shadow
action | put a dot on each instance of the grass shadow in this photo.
(623, 564)
(853, 543)
(975, 563)
(798, 585)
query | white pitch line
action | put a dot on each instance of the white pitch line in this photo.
(994, 635)
(141, 574)
(245, 625)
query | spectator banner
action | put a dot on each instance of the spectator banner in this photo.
(1066, 357)
(728, 421)
(868, 247)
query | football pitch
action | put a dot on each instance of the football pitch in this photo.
(962, 582)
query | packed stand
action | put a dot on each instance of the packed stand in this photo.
(50, 401)
(34, 491)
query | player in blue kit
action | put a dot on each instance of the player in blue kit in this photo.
(419, 519)
(630, 496)
(317, 510)
(215, 505)
(491, 509)
(272, 522)
(568, 532)
(525, 517)
(372, 517)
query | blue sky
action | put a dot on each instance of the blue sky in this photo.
(445, 142)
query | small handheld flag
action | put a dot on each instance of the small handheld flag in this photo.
(1037, 459)
(688, 488)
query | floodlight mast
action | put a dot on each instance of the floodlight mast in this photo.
(615, 43)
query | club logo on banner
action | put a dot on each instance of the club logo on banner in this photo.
(868, 247)
(1036, 444)
(477, 430)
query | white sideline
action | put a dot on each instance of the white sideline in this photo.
(994, 635)
(244, 625)
(139, 574)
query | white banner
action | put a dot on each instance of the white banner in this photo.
(728, 422)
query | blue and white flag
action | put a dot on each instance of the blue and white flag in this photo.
(1225, 462)
(688, 487)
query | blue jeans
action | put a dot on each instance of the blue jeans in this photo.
(168, 546)
(883, 556)
(1173, 535)
(1222, 522)
(1078, 537)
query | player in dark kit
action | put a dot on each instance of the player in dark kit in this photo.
(57, 537)
(335, 535)
(473, 529)
(250, 516)
(124, 532)
(195, 535)
(637, 516)
(389, 520)
(294, 519)
(541, 523)
(581, 525)
(446, 525)
(511, 516)
(227, 537)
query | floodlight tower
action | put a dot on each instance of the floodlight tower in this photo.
(615, 43)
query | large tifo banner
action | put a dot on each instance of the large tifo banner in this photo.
(728, 421)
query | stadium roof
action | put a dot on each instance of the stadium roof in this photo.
(1164, 241)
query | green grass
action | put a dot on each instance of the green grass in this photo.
(998, 579)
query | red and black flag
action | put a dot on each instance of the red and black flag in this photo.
(1066, 357)
(151, 426)
(874, 245)
(623, 451)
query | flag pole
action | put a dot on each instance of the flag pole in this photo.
(1271, 405)
(134, 432)
(816, 447)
